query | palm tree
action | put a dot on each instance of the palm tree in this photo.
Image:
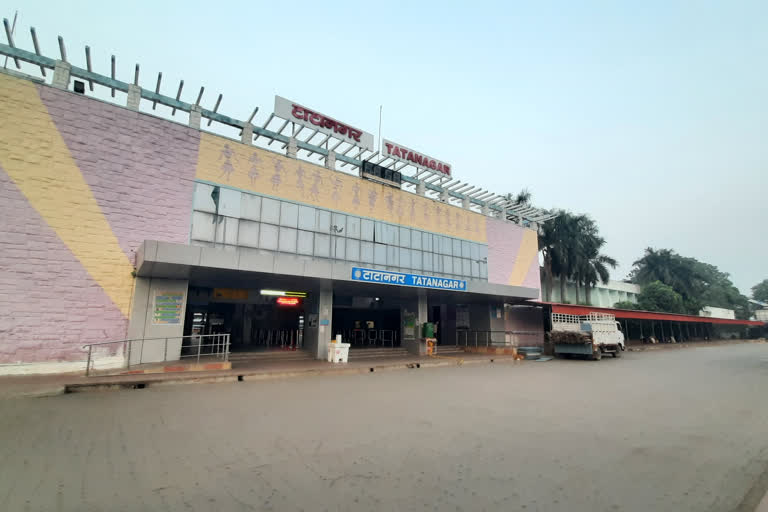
(570, 246)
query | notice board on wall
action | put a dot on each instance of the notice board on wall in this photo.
(167, 308)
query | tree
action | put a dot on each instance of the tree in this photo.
(570, 246)
(699, 284)
(657, 296)
(625, 304)
(760, 291)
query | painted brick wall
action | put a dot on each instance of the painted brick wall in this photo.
(82, 184)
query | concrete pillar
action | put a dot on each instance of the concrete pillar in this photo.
(134, 97)
(414, 314)
(61, 74)
(444, 196)
(142, 325)
(486, 210)
(194, 117)
(319, 328)
(465, 203)
(293, 148)
(330, 161)
(534, 226)
(421, 188)
(247, 136)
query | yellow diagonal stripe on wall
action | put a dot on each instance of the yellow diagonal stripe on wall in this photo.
(529, 248)
(38, 161)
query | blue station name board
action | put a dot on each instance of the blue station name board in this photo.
(370, 275)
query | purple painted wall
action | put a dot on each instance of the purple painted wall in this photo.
(49, 304)
(140, 169)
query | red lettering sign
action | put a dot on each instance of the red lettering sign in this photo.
(406, 155)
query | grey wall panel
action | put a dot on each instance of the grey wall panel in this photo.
(405, 258)
(227, 230)
(287, 241)
(466, 268)
(339, 224)
(393, 256)
(426, 261)
(250, 207)
(380, 254)
(289, 214)
(305, 243)
(270, 211)
(379, 235)
(366, 252)
(202, 200)
(322, 245)
(202, 226)
(457, 266)
(366, 229)
(323, 221)
(416, 237)
(268, 235)
(405, 237)
(416, 263)
(338, 247)
(353, 227)
(475, 251)
(447, 264)
(307, 218)
(466, 249)
(229, 202)
(249, 233)
(353, 250)
(456, 250)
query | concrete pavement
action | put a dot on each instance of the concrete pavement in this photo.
(665, 430)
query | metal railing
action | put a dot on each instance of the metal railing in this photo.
(480, 338)
(181, 347)
(372, 337)
(273, 338)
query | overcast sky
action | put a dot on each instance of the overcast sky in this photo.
(650, 116)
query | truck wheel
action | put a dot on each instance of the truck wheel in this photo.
(597, 355)
(618, 352)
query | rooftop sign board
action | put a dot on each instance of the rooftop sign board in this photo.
(314, 120)
(403, 154)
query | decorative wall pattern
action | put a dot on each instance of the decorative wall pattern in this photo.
(252, 169)
(83, 183)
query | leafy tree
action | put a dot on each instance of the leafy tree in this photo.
(626, 304)
(699, 284)
(760, 291)
(657, 296)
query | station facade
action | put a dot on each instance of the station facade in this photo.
(117, 224)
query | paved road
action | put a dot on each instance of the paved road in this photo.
(656, 431)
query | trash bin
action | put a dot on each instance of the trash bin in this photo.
(338, 352)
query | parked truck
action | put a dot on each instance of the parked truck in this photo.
(590, 335)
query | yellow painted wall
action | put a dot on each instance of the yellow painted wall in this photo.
(248, 168)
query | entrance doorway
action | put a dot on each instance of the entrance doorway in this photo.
(254, 322)
(366, 322)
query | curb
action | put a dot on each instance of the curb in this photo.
(252, 375)
(36, 393)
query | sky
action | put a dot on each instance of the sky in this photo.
(652, 117)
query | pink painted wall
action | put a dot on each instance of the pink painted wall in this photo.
(141, 173)
(140, 169)
(512, 254)
(49, 304)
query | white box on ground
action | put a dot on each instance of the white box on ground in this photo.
(338, 352)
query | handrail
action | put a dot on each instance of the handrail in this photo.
(219, 348)
(485, 337)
